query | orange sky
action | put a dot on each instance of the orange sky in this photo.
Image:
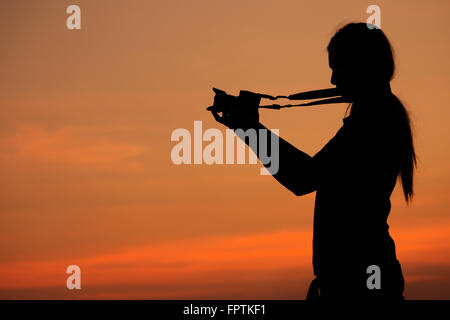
(85, 128)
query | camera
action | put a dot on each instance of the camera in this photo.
(223, 102)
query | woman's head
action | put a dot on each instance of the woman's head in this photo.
(361, 59)
(363, 65)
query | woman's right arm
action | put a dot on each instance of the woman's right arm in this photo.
(297, 170)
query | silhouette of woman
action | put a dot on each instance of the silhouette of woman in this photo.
(355, 172)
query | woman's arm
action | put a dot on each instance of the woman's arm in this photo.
(296, 170)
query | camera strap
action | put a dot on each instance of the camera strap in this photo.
(312, 103)
(333, 96)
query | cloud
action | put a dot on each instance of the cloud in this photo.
(273, 265)
(202, 267)
(70, 145)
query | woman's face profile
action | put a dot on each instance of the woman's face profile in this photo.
(343, 75)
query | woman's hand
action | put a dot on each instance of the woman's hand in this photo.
(238, 116)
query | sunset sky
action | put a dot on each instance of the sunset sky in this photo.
(85, 124)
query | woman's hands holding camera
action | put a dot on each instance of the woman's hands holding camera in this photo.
(236, 112)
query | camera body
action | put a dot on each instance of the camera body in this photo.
(224, 102)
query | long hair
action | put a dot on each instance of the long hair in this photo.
(370, 51)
